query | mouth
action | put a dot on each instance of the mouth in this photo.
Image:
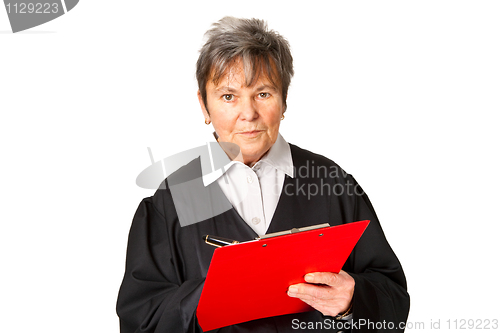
(251, 134)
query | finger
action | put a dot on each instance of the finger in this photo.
(327, 278)
(309, 291)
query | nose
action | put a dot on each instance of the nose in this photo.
(248, 109)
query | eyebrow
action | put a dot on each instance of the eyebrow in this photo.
(233, 90)
(226, 89)
(266, 87)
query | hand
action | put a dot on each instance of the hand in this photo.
(331, 298)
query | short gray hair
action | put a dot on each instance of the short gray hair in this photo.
(260, 50)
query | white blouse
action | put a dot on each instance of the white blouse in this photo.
(254, 192)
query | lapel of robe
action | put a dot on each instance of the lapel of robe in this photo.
(302, 202)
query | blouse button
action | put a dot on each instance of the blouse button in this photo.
(249, 179)
(255, 220)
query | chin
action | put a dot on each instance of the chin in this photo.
(253, 153)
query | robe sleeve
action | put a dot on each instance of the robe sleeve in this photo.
(380, 292)
(152, 297)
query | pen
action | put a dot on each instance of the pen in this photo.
(218, 241)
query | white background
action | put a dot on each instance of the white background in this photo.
(403, 95)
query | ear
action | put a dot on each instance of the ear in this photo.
(203, 108)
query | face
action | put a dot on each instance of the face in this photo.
(247, 116)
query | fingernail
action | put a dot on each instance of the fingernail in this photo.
(293, 290)
(309, 277)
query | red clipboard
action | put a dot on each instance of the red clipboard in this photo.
(249, 281)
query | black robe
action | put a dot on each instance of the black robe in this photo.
(167, 264)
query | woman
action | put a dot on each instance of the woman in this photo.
(243, 74)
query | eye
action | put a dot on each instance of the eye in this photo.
(264, 95)
(228, 97)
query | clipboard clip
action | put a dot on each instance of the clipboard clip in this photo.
(293, 231)
(219, 241)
